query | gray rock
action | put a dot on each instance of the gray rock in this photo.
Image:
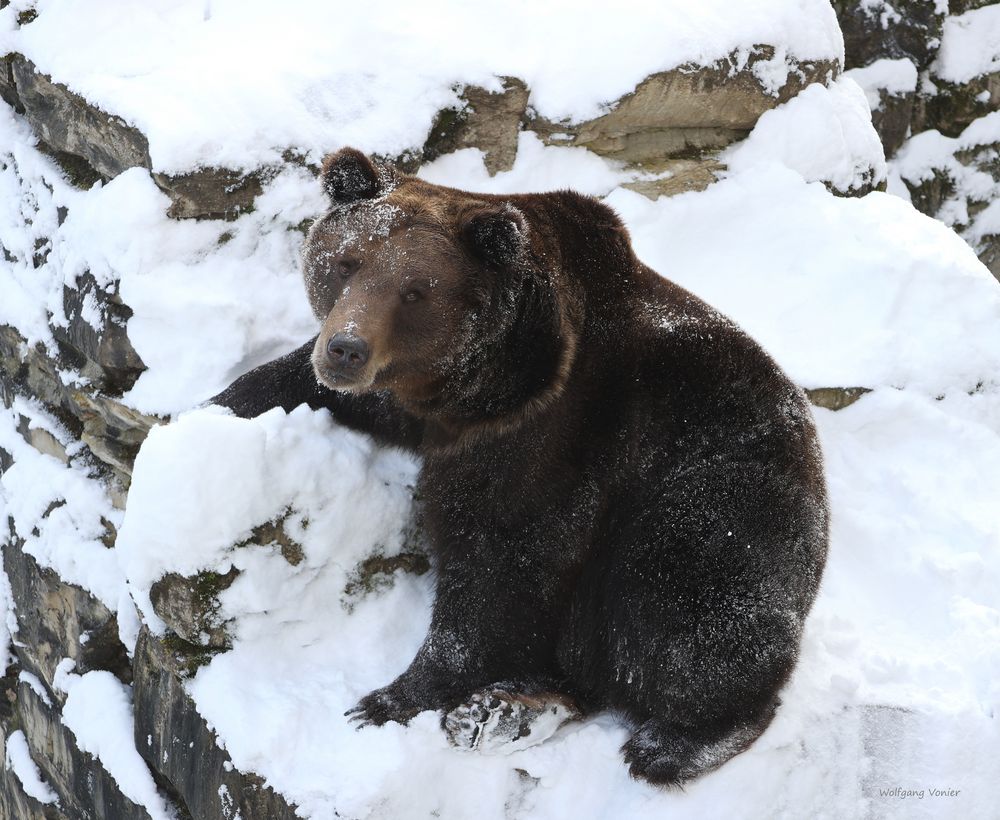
(953, 107)
(15, 804)
(210, 192)
(176, 742)
(962, 6)
(112, 431)
(835, 398)
(67, 122)
(902, 28)
(106, 346)
(490, 121)
(53, 617)
(29, 371)
(989, 254)
(8, 88)
(85, 788)
(893, 118)
(678, 176)
(42, 440)
(190, 607)
(929, 195)
(684, 112)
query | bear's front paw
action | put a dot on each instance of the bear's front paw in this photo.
(495, 720)
(381, 706)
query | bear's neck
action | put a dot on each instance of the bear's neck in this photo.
(510, 375)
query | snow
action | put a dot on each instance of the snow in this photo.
(823, 133)
(895, 77)
(18, 760)
(98, 711)
(36, 686)
(31, 192)
(538, 167)
(970, 46)
(8, 621)
(181, 71)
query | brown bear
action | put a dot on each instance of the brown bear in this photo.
(623, 492)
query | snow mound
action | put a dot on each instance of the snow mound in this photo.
(823, 133)
(341, 499)
(843, 292)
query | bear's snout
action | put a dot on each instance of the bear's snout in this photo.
(346, 353)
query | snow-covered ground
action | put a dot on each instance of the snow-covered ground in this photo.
(898, 689)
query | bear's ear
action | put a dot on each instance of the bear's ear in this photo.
(497, 234)
(349, 176)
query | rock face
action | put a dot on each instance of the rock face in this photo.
(489, 120)
(177, 744)
(54, 616)
(67, 123)
(84, 787)
(671, 126)
(686, 111)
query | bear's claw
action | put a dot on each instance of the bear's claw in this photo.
(379, 707)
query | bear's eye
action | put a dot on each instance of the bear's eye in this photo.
(414, 290)
(345, 267)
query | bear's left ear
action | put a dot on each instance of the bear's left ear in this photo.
(497, 234)
(349, 176)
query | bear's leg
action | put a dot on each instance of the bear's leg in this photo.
(488, 625)
(509, 716)
(290, 381)
(668, 754)
(428, 683)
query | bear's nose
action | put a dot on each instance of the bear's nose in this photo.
(347, 352)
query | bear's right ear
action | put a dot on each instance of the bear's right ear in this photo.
(349, 176)
(497, 234)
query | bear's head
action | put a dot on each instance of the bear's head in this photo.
(447, 299)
